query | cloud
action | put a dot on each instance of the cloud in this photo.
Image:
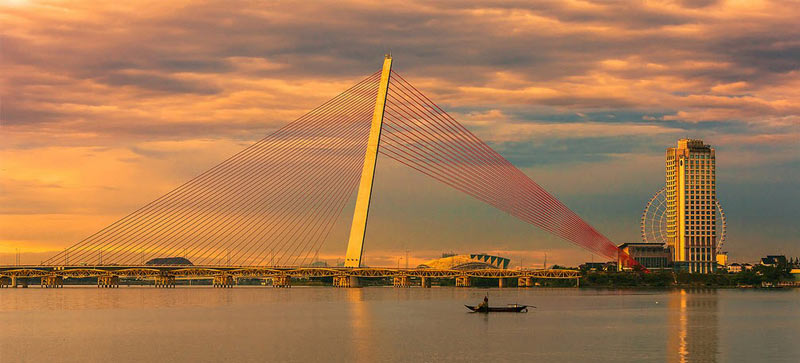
(158, 83)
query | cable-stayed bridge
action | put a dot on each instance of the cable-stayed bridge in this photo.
(271, 206)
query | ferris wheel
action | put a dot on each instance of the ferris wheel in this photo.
(654, 221)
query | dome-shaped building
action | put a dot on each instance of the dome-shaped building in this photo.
(478, 261)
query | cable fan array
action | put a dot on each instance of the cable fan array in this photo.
(419, 134)
(272, 203)
(275, 202)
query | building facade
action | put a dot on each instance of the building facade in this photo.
(652, 256)
(691, 205)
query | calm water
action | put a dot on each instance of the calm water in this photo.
(250, 324)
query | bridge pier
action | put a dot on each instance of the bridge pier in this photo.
(53, 281)
(501, 283)
(5, 282)
(525, 281)
(108, 281)
(401, 281)
(346, 281)
(463, 281)
(165, 281)
(281, 281)
(341, 281)
(224, 281)
(425, 282)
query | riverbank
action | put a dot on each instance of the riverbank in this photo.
(760, 276)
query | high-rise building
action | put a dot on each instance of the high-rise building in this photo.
(691, 206)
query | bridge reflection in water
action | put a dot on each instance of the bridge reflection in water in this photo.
(693, 326)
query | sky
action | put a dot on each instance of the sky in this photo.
(104, 106)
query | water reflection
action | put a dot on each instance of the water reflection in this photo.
(387, 324)
(693, 324)
(360, 326)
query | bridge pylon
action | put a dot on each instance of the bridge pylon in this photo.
(358, 229)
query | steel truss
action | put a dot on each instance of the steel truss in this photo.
(210, 272)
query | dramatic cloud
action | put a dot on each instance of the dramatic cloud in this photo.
(104, 106)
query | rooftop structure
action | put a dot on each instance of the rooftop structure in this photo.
(774, 261)
(467, 262)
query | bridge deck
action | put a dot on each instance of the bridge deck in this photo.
(201, 272)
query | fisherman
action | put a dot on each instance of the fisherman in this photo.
(485, 304)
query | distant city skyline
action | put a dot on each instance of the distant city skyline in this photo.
(98, 119)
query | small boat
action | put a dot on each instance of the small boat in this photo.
(511, 308)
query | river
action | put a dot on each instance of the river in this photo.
(377, 324)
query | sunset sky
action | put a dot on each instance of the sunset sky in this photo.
(104, 106)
